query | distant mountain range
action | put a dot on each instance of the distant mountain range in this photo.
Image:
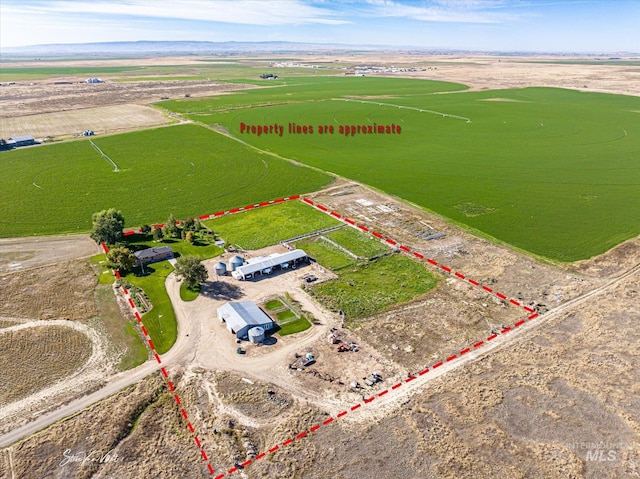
(185, 47)
(141, 48)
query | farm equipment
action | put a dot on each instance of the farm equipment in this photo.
(308, 360)
(240, 351)
(373, 379)
(344, 347)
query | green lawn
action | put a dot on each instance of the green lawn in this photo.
(274, 305)
(187, 294)
(161, 320)
(105, 275)
(370, 287)
(267, 226)
(360, 244)
(325, 253)
(285, 315)
(184, 170)
(295, 326)
(553, 172)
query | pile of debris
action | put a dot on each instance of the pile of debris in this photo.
(343, 346)
(373, 379)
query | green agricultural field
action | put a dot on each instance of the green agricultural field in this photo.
(185, 170)
(360, 244)
(553, 172)
(368, 288)
(325, 253)
(305, 89)
(269, 225)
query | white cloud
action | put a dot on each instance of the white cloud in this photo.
(453, 11)
(246, 12)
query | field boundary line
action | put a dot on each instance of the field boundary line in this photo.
(165, 375)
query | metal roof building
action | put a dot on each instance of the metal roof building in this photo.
(264, 264)
(22, 140)
(241, 316)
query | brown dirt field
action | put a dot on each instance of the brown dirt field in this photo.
(42, 96)
(63, 290)
(5, 323)
(23, 253)
(34, 358)
(102, 120)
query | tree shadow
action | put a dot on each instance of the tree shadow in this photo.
(220, 290)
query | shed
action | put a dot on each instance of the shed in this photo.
(242, 316)
(22, 140)
(267, 263)
(153, 255)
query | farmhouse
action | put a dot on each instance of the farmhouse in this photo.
(21, 140)
(242, 316)
(153, 255)
(266, 264)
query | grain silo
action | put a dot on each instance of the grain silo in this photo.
(220, 269)
(256, 335)
(235, 262)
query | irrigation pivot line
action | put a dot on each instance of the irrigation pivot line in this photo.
(116, 168)
(468, 120)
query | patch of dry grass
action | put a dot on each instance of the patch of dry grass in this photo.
(32, 359)
(57, 291)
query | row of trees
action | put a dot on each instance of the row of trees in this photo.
(108, 227)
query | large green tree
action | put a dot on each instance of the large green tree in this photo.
(121, 257)
(107, 226)
(191, 270)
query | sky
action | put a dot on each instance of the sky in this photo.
(560, 26)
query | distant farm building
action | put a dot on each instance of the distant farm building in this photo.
(269, 76)
(240, 317)
(267, 264)
(88, 133)
(153, 255)
(94, 80)
(21, 140)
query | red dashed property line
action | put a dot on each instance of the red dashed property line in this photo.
(163, 370)
(366, 401)
(417, 254)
